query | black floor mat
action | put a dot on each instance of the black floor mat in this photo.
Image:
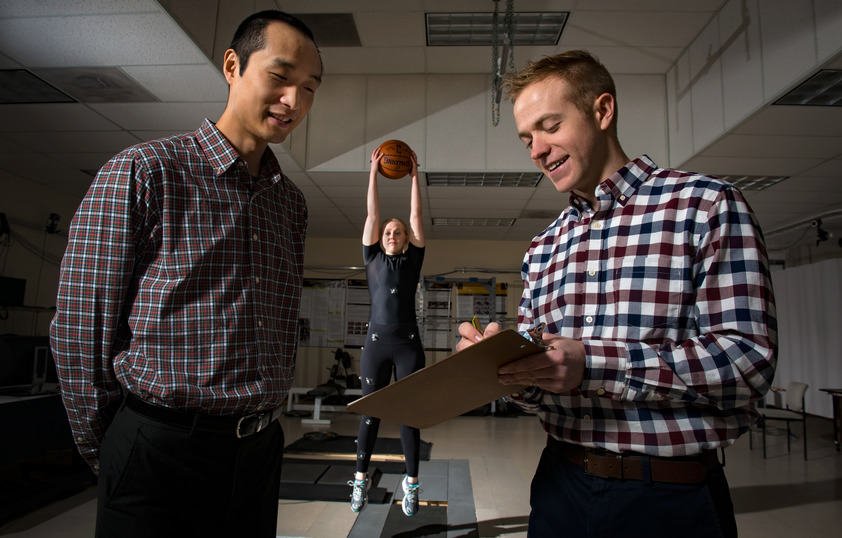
(327, 480)
(429, 521)
(346, 444)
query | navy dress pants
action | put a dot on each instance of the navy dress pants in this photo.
(568, 503)
(162, 480)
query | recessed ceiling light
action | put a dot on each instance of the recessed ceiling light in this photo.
(822, 89)
(332, 29)
(473, 222)
(753, 183)
(19, 86)
(460, 29)
(483, 179)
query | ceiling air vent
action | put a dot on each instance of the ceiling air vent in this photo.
(97, 84)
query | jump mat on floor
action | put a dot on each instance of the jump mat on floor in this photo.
(324, 480)
(330, 443)
(327, 479)
(429, 522)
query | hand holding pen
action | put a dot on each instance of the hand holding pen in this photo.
(560, 368)
(473, 332)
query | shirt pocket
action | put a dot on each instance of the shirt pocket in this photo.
(650, 293)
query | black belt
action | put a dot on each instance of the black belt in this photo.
(605, 464)
(238, 426)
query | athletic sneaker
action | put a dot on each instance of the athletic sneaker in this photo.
(359, 495)
(410, 497)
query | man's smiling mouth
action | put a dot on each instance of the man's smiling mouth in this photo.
(556, 164)
(280, 118)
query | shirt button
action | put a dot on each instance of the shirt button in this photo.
(589, 319)
(260, 323)
(600, 391)
(257, 280)
(592, 272)
(623, 198)
(586, 418)
(597, 225)
(254, 236)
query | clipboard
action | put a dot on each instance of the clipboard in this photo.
(451, 387)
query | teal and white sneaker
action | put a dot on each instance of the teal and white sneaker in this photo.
(359, 495)
(410, 496)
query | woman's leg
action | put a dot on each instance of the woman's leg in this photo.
(409, 358)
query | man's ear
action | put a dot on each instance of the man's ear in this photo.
(604, 110)
(230, 65)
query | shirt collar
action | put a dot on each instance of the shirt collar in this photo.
(621, 185)
(221, 154)
(218, 151)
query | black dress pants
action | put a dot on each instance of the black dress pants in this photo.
(159, 480)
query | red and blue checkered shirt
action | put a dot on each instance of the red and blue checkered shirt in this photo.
(181, 283)
(667, 283)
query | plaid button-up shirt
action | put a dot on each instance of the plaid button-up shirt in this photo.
(181, 282)
(667, 283)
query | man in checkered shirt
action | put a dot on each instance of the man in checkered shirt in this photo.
(175, 326)
(654, 295)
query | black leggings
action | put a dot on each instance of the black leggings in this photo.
(389, 348)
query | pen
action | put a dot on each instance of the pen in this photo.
(535, 334)
(475, 323)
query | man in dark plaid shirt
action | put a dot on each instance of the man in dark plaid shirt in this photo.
(175, 328)
(654, 295)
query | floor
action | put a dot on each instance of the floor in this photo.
(781, 496)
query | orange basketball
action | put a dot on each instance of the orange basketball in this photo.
(395, 159)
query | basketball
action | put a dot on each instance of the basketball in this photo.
(395, 159)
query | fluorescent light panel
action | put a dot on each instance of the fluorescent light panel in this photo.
(483, 179)
(753, 183)
(461, 29)
(822, 89)
(473, 222)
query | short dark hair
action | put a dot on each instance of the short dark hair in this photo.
(251, 36)
(586, 77)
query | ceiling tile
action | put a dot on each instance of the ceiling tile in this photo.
(53, 117)
(182, 83)
(181, 117)
(105, 40)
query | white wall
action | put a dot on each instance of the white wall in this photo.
(449, 116)
(747, 56)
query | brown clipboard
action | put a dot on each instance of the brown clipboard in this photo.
(450, 387)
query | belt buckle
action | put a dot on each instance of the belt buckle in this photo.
(261, 421)
(608, 465)
(239, 430)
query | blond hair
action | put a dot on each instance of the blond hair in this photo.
(586, 77)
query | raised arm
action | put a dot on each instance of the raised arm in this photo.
(371, 230)
(416, 215)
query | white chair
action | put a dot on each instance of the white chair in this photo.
(793, 412)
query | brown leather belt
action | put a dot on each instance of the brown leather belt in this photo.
(605, 464)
